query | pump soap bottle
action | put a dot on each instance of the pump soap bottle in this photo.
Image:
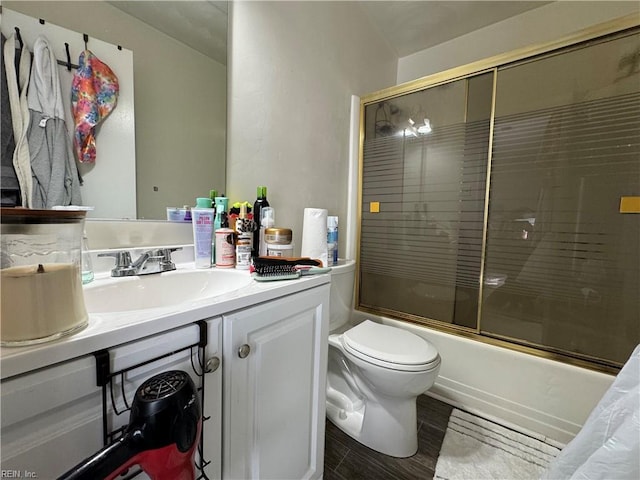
(222, 204)
(260, 203)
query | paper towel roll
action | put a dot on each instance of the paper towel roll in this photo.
(314, 234)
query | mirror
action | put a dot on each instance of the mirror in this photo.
(180, 84)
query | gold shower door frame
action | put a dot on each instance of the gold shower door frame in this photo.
(491, 66)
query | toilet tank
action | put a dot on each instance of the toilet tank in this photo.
(342, 285)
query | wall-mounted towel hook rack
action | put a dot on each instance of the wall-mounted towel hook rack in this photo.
(19, 37)
(86, 40)
(68, 63)
(66, 49)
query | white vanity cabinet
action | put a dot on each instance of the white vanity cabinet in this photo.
(264, 387)
(52, 417)
(274, 374)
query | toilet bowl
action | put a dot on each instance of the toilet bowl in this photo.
(375, 373)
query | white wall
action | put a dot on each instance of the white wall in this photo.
(293, 67)
(544, 24)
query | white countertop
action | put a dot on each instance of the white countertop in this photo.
(109, 329)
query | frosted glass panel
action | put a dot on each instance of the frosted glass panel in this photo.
(425, 160)
(566, 148)
(558, 138)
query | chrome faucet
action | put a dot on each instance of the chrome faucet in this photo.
(149, 262)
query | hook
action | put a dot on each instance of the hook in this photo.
(86, 39)
(66, 48)
(19, 37)
(41, 20)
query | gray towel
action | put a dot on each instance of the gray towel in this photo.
(9, 186)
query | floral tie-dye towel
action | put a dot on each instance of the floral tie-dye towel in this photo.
(94, 94)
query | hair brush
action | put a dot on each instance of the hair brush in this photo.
(285, 268)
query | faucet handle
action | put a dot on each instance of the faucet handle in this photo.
(166, 252)
(123, 263)
(167, 263)
(123, 258)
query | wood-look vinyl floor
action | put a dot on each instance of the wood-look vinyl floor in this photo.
(346, 459)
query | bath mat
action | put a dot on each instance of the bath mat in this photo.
(474, 448)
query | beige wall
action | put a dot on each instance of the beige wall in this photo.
(544, 24)
(293, 67)
(180, 103)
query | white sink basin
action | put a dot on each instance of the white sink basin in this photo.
(161, 290)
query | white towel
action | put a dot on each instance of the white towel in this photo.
(45, 95)
(19, 114)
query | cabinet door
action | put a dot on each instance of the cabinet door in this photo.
(275, 364)
(133, 353)
(52, 418)
(212, 402)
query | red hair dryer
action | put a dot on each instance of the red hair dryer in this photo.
(162, 435)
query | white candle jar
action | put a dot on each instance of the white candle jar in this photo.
(40, 268)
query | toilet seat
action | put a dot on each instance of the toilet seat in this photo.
(390, 347)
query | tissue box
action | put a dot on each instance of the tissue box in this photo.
(178, 214)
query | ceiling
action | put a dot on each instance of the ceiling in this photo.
(202, 25)
(408, 26)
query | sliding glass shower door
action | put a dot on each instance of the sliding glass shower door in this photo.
(506, 204)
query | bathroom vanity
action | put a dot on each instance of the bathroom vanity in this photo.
(258, 354)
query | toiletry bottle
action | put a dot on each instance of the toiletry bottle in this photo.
(202, 220)
(244, 239)
(267, 220)
(212, 195)
(87, 265)
(222, 203)
(260, 203)
(225, 248)
(332, 241)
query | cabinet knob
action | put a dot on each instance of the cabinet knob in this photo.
(244, 351)
(212, 365)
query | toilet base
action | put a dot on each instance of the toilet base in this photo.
(391, 429)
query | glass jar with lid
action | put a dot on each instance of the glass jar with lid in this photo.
(40, 267)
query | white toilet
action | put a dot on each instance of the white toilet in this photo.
(375, 374)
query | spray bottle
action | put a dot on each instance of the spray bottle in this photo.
(332, 241)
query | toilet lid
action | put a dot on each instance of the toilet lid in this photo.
(389, 344)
